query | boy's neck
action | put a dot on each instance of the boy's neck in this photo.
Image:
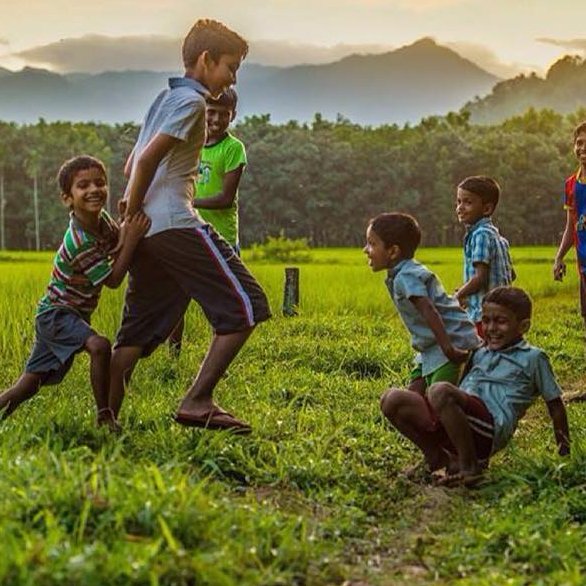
(212, 140)
(582, 174)
(191, 73)
(90, 221)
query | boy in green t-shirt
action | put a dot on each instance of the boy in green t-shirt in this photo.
(222, 162)
(221, 165)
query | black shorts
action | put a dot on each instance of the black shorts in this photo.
(173, 267)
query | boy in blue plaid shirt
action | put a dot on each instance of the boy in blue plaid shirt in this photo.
(487, 262)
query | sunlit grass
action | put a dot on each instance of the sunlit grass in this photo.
(313, 496)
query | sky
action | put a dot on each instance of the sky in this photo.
(506, 37)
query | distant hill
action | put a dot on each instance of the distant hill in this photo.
(561, 90)
(396, 87)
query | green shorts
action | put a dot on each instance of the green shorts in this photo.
(449, 372)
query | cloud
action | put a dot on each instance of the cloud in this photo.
(287, 53)
(568, 44)
(5, 42)
(97, 53)
(488, 59)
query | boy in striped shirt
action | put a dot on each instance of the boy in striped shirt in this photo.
(83, 264)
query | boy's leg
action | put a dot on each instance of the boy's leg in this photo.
(25, 387)
(124, 359)
(176, 337)
(198, 401)
(409, 413)
(449, 402)
(206, 269)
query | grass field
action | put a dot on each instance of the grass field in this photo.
(313, 496)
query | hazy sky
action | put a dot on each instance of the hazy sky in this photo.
(504, 36)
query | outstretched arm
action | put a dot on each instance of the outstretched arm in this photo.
(436, 325)
(559, 418)
(225, 198)
(135, 228)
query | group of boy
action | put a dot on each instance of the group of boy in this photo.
(173, 255)
(475, 375)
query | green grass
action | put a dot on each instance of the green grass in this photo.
(313, 496)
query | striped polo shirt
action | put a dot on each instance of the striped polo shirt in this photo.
(80, 267)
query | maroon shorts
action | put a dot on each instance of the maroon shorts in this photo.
(480, 422)
(171, 268)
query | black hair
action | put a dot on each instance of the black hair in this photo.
(71, 167)
(485, 187)
(228, 99)
(397, 228)
(512, 298)
(214, 37)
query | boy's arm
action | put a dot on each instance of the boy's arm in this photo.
(128, 164)
(145, 169)
(559, 418)
(225, 198)
(135, 228)
(436, 325)
(476, 283)
(559, 266)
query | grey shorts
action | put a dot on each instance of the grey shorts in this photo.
(59, 334)
(173, 267)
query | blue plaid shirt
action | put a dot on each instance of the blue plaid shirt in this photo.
(484, 244)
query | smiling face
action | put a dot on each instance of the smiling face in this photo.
(501, 326)
(580, 149)
(88, 194)
(470, 207)
(380, 256)
(219, 75)
(218, 119)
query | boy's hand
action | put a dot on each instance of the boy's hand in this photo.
(461, 299)
(137, 226)
(559, 270)
(122, 205)
(456, 354)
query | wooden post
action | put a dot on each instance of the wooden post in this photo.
(291, 293)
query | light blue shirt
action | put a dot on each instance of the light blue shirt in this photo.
(484, 244)
(178, 111)
(412, 279)
(508, 381)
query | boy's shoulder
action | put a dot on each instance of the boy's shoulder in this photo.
(78, 239)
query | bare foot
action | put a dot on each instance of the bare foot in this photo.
(106, 417)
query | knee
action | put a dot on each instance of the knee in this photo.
(99, 347)
(439, 395)
(390, 402)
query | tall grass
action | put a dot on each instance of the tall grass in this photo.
(313, 496)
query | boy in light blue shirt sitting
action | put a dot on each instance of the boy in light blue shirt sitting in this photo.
(461, 427)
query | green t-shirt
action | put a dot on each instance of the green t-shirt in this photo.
(217, 160)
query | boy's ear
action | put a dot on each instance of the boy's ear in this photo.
(524, 325)
(489, 209)
(66, 200)
(233, 115)
(394, 251)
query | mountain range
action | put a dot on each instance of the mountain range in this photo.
(400, 86)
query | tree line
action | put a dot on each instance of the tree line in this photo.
(322, 180)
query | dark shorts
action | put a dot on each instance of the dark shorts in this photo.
(583, 294)
(173, 267)
(481, 424)
(59, 335)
